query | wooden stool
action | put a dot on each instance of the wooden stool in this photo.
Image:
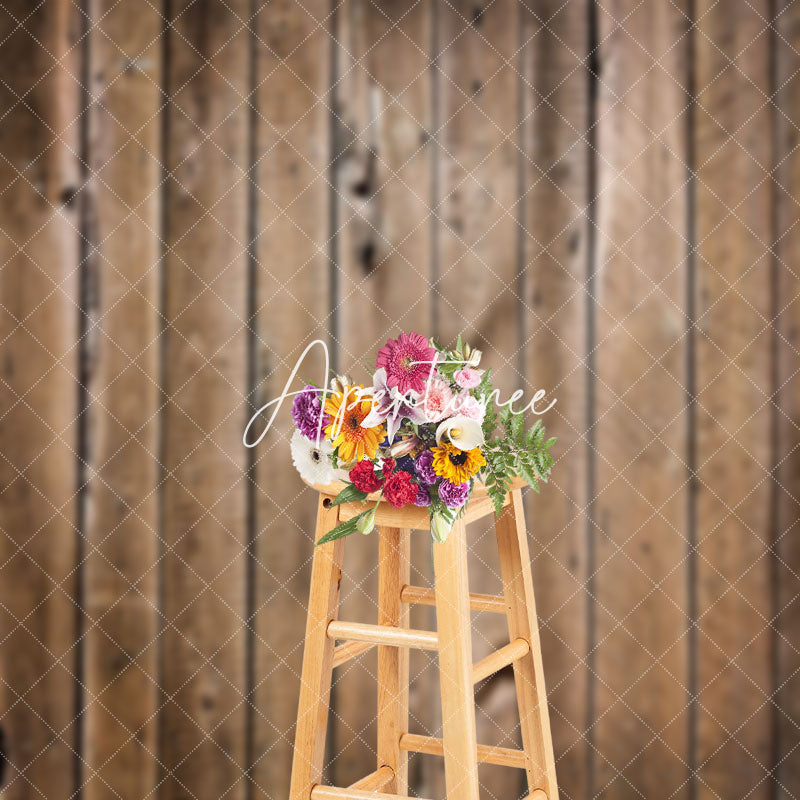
(452, 641)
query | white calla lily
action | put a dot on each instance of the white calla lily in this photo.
(463, 432)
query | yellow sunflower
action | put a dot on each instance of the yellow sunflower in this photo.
(346, 412)
(457, 466)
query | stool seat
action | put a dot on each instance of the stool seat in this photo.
(451, 641)
(412, 517)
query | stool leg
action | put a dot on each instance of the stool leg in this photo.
(315, 684)
(515, 568)
(455, 665)
(394, 572)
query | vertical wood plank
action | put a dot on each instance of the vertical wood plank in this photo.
(394, 572)
(39, 254)
(734, 267)
(315, 685)
(478, 255)
(382, 176)
(478, 178)
(205, 359)
(640, 713)
(382, 173)
(555, 111)
(292, 305)
(786, 488)
(120, 747)
(455, 665)
(512, 543)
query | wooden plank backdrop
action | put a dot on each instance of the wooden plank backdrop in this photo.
(555, 117)
(43, 460)
(639, 340)
(602, 196)
(124, 539)
(291, 192)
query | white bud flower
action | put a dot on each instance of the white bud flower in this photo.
(366, 522)
(440, 528)
(404, 447)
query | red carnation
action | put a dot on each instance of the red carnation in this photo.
(399, 490)
(387, 468)
(364, 477)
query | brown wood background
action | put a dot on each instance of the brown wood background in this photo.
(601, 195)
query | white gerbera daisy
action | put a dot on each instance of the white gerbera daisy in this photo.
(312, 462)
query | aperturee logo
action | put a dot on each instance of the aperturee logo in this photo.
(423, 433)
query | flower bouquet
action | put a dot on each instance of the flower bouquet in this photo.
(422, 434)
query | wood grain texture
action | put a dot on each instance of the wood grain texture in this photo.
(292, 304)
(733, 151)
(786, 337)
(121, 573)
(349, 650)
(382, 176)
(468, 138)
(477, 602)
(382, 635)
(39, 255)
(478, 255)
(315, 684)
(205, 381)
(375, 781)
(335, 793)
(502, 657)
(455, 665)
(477, 182)
(555, 110)
(640, 648)
(394, 571)
(512, 543)
(502, 756)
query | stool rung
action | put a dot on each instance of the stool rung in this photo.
(383, 634)
(487, 754)
(344, 652)
(335, 793)
(478, 602)
(375, 781)
(494, 662)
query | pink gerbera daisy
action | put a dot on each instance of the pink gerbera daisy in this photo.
(408, 361)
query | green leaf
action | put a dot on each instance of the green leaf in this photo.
(348, 495)
(529, 476)
(343, 529)
(489, 422)
(497, 499)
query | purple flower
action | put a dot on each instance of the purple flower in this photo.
(423, 466)
(423, 498)
(306, 412)
(453, 495)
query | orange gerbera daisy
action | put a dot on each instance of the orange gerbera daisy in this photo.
(347, 411)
